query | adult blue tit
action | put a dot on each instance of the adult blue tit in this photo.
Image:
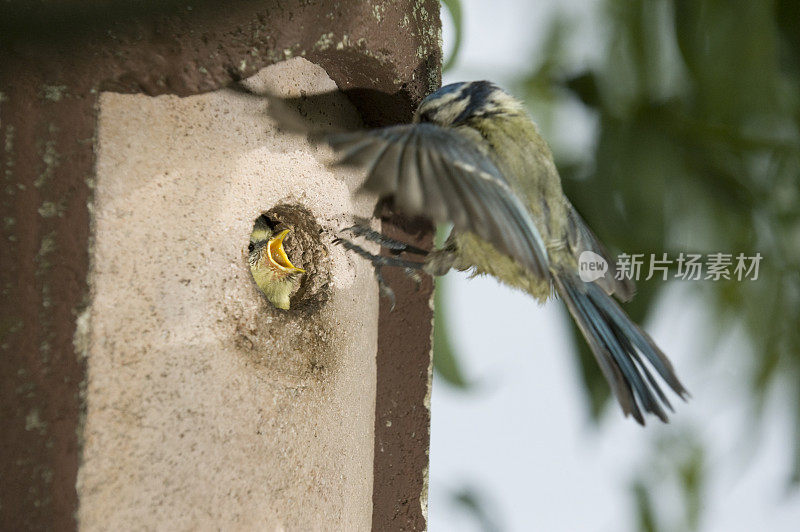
(472, 157)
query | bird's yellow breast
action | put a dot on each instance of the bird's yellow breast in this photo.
(480, 256)
(275, 284)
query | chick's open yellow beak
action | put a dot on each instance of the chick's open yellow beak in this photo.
(277, 255)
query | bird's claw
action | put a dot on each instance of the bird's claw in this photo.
(414, 277)
(411, 268)
(396, 247)
(385, 289)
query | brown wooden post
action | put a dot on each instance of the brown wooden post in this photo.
(56, 63)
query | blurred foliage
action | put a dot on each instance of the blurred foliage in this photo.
(696, 150)
(698, 107)
(680, 459)
(454, 8)
(475, 504)
(646, 521)
(445, 362)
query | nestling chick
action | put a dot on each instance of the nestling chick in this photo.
(474, 158)
(272, 270)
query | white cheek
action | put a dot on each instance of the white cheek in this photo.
(448, 114)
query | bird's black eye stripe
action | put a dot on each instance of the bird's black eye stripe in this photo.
(251, 247)
(269, 222)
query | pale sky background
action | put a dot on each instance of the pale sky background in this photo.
(523, 438)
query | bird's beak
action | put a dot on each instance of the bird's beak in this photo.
(277, 255)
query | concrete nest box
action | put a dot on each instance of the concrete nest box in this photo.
(148, 383)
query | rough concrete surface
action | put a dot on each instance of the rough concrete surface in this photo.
(57, 58)
(206, 407)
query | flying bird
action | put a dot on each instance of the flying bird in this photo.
(473, 157)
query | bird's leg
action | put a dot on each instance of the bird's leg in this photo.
(379, 261)
(396, 247)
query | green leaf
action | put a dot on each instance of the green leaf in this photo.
(454, 8)
(445, 362)
(478, 508)
(644, 509)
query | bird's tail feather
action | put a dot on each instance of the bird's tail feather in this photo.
(621, 348)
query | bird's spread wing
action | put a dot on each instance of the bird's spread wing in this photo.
(581, 239)
(438, 173)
